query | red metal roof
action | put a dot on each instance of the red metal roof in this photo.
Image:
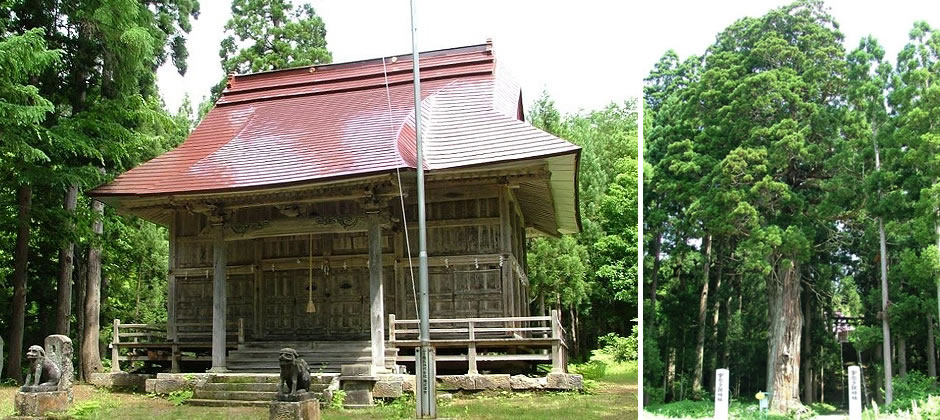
(316, 123)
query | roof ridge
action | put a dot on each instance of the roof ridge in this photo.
(473, 48)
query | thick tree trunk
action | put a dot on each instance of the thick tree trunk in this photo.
(654, 276)
(931, 350)
(786, 328)
(716, 313)
(902, 357)
(24, 198)
(723, 333)
(670, 377)
(879, 356)
(66, 263)
(91, 360)
(702, 311)
(574, 333)
(82, 281)
(806, 365)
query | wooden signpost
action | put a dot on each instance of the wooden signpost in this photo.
(855, 393)
(721, 394)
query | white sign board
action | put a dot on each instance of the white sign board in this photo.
(721, 394)
(855, 393)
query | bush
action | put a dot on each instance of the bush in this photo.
(913, 387)
(339, 397)
(654, 395)
(592, 370)
(179, 397)
(623, 349)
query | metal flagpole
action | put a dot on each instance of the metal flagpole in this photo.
(424, 363)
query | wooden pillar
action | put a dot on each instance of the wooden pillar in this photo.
(115, 349)
(376, 293)
(472, 351)
(505, 249)
(171, 281)
(258, 321)
(558, 359)
(220, 258)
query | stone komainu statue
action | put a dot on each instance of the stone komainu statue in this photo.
(295, 377)
(50, 369)
(43, 373)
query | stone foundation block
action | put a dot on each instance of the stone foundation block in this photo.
(522, 382)
(491, 382)
(564, 381)
(300, 410)
(387, 389)
(358, 394)
(408, 384)
(455, 382)
(356, 370)
(122, 381)
(38, 404)
(166, 385)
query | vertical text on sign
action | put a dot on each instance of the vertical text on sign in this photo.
(721, 394)
(855, 393)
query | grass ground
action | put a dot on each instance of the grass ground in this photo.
(688, 409)
(612, 396)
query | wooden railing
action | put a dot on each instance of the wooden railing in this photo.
(472, 333)
(153, 338)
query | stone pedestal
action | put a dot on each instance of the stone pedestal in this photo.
(358, 393)
(308, 409)
(38, 404)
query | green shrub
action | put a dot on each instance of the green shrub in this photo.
(913, 387)
(339, 397)
(654, 395)
(592, 370)
(180, 396)
(623, 349)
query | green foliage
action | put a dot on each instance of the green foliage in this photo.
(797, 158)
(915, 386)
(593, 369)
(80, 106)
(595, 272)
(336, 401)
(265, 35)
(278, 35)
(623, 349)
(179, 397)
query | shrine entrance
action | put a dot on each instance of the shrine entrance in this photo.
(340, 297)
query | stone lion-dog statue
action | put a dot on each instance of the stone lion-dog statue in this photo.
(295, 376)
(43, 373)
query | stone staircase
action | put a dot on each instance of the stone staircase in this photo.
(321, 356)
(252, 389)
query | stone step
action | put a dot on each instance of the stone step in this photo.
(311, 359)
(226, 403)
(254, 387)
(234, 395)
(244, 378)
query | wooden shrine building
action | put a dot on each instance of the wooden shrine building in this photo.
(291, 213)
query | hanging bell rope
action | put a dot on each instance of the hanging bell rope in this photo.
(311, 308)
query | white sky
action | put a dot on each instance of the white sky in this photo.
(586, 53)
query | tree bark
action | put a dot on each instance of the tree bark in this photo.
(931, 349)
(24, 198)
(716, 314)
(91, 360)
(654, 276)
(806, 366)
(702, 311)
(879, 355)
(786, 324)
(66, 263)
(886, 330)
(902, 357)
